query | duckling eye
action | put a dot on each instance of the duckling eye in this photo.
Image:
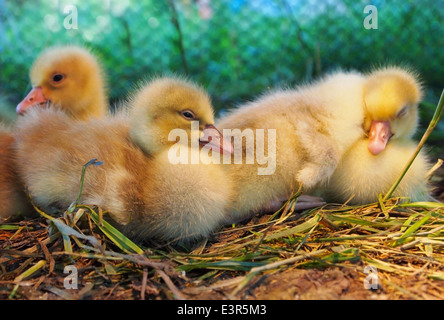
(187, 114)
(57, 78)
(402, 112)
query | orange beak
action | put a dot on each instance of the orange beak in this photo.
(378, 137)
(214, 139)
(34, 97)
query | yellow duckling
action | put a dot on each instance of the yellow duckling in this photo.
(144, 192)
(373, 163)
(391, 98)
(306, 132)
(71, 79)
(362, 176)
(67, 78)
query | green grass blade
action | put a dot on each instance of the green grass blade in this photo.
(8, 227)
(424, 138)
(412, 229)
(408, 222)
(437, 276)
(115, 235)
(350, 254)
(112, 233)
(301, 228)
(222, 265)
(93, 162)
(25, 275)
(30, 271)
(424, 205)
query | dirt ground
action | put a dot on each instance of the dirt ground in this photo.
(329, 284)
(346, 282)
(290, 284)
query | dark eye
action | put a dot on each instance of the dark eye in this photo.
(187, 114)
(402, 112)
(57, 77)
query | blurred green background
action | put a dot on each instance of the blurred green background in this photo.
(235, 48)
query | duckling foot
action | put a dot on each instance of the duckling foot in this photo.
(303, 202)
(308, 198)
(306, 201)
(308, 205)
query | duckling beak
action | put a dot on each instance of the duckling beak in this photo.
(378, 136)
(214, 139)
(34, 97)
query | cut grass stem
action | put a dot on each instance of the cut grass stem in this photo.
(421, 143)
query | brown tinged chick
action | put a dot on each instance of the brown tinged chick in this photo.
(67, 78)
(71, 79)
(146, 195)
(13, 199)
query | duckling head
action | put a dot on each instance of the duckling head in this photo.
(71, 79)
(391, 97)
(166, 104)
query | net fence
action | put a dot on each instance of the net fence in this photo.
(235, 48)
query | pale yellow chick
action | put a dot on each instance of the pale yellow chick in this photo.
(373, 163)
(361, 176)
(314, 126)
